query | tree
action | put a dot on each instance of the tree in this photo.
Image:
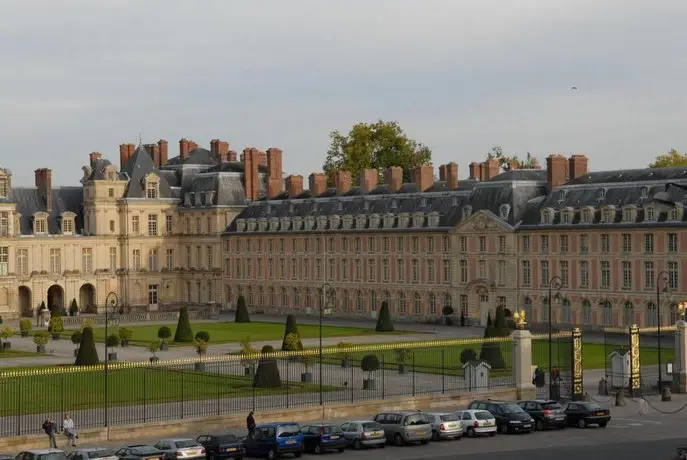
(384, 323)
(291, 328)
(88, 355)
(378, 145)
(184, 333)
(73, 308)
(491, 351)
(267, 374)
(496, 153)
(468, 355)
(202, 336)
(672, 158)
(241, 311)
(500, 325)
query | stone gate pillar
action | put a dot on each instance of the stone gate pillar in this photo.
(680, 362)
(522, 364)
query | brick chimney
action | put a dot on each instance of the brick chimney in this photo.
(490, 169)
(94, 157)
(367, 180)
(250, 173)
(475, 171)
(154, 151)
(125, 152)
(44, 186)
(184, 148)
(342, 181)
(393, 178)
(317, 184)
(294, 186)
(556, 170)
(163, 145)
(231, 155)
(513, 165)
(192, 146)
(423, 177)
(220, 150)
(273, 161)
(577, 165)
(450, 175)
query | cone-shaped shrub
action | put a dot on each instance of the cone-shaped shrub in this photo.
(267, 374)
(291, 328)
(184, 333)
(88, 355)
(491, 352)
(241, 311)
(384, 323)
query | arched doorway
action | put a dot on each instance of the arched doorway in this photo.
(56, 298)
(87, 297)
(25, 306)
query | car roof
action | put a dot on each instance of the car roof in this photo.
(491, 401)
(44, 451)
(276, 424)
(176, 439)
(359, 421)
(91, 449)
(440, 413)
(472, 411)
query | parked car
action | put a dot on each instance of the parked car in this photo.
(139, 452)
(582, 414)
(445, 425)
(89, 453)
(6, 457)
(274, 439)
(510, 418)
(222, 446)
(403, 427)
(546, 413)
(323, 437)
(181, 448)
(477, 422)
(362, 433)
(42, 454)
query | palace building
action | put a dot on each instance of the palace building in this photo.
(595, 240)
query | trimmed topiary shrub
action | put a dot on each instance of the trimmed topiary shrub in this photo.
(491, 351)
(291, 328)
(369, 364)
(267, 374)
(125, 335)
(184, 333)
(384, 323)
(73, 308)
(241, 311)
(55, 326)
(88, 355)
(468, 355)
(202, 336)
(25, 326)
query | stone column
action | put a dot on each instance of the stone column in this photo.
(522, 364)
(680, 364)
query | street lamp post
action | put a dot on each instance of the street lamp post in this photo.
(661, 280)
(554, 283)
(326, 293)
(110, 301)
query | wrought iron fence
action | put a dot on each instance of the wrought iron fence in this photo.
(127, 393)
(552, 362)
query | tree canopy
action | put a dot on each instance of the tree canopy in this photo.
(496, 153)
(378, 145)
(672, 158)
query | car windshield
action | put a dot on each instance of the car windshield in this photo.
(330, 429)
(483, 415)
(372, 426)
(448, 418)
(53, 456)
(416, 419)
(591, 406)
(101, 453)
(186, 443)
(511, 409)
(226, 439)
(285, 431)
(143, 450)
(551, 406)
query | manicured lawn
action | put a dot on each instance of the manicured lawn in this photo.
(9, 354)
(227, 332)
(72, 391)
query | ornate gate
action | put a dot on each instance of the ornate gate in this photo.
(559, 364)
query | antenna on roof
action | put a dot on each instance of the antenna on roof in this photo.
(140, 139)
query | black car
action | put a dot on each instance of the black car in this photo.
(546, 413)
(510, 418)
(323, 437)
(221, 446)
(582, 414)
(140, 452)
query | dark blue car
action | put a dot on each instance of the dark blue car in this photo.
(323, 437)
(272, 440)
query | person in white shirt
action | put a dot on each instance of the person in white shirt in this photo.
(69, 430)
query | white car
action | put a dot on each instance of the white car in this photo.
(477, 422)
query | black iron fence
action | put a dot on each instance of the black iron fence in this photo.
(127, 393)
(552, 365)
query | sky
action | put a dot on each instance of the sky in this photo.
(459, 76)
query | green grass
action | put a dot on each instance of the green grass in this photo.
(229, 332)
(71, 391)
(9, 354)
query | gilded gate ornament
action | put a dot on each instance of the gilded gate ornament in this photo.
(635, 378)
(577, 369)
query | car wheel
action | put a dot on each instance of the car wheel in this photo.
(271, 454)
(503, 428)
(581, 423)
(318, 449)
(435, 435)
(211, 456)
(471, 433)
(492, 433)
(341, 449)
(297, 454)
(382, 446)
(357, 445)
(398, 440)
(603, 424)
(424, 441)
(539, 425)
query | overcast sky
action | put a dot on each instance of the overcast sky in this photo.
(459, 75)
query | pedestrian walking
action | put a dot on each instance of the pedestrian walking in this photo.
(69, 430)
(50, 429)
(250, 423)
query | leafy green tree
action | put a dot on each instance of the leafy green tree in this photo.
(672, 158)
(496, 153)
(241, 311)
(291, 328)
(184, 333)
(88, 355)
(377, 145)
(384, 323)
(267, 374)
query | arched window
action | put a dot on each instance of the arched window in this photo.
(284, 297)
(360, 302)
(296, 297)
(448, 302)
(261, 296)
(433, 304)
(627, 313)
(230, 296)
(346, 300)
(674, 315)
(332, 299)
(373, 301)
(651, 315)
(251, 300)
(566, 312)
(528, 309)
(273, 297)
(417, 304)
(545, 311)
(607, 309)
(308, 298)
(586, 312)
(401, 303)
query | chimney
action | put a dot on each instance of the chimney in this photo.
(163, 146)
(262, 159)
(556, 170)
(393, 178)
(294, 186)
(183, 150)
(192, 146)
(513, 164)
(423, 177)
(577, 165)
(44, 186)
(367, 179)
(250, 173)
(490, 169)
(273, 161)
(154, 151)
(475, 171)
(318, 184)
(342, 181)
(451, 175)
(231, 155)
(95, 156)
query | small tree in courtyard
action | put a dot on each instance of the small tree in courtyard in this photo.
(291, 328)
(384, 323)
(73, 308)
(491, 351)
(164, 333)
(241, 311)
(468, 355)
(267, 374)
(184, 333)
(369, 364)
(447, 311)
(87, 355)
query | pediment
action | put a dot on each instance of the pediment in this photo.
(483, 222)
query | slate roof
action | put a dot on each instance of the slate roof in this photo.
(139, 166)
(98, 170)
(29, 202)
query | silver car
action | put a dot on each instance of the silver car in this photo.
(445, 425)
(88, 453)
(403, 427)
(42, 454)
(363, 433)
(181, 448)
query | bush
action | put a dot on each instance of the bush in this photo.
(447, 310)
(41, 338)
(292, 343)
(88, 355)
(25, 325)
(247, 349)
(164, 333)
(112, 341)
(384, 323)
(241, 311)
(291, 328)
(184, 333)
(73, 308)
(468, 355)
(76, 337)
(201, 347)
(125, 333)
(491, 351)
(267, 374)
(86, 323)
(403, 355)
(202, 336)
(500, 326)
(369, 363)
(55, 326)
(6, 333)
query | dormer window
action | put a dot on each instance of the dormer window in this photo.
(433, 219)
(389, 220)
(561, 196)
(394, 205)
(152, 189)
(374, 221)
(467, 212)
(360, 220)
(566, 216)
(40, 223)
(403, 220)
(601, 194)
(347, 222)
(587, 215)
(504, 211)
(650, 214)
(608, 215)
(644, 193)
(418, 219)
(629, 214)
(339, 205)
(187, 199)
(4, 187)
(547, 216)
(67, 223)
(240, 225)
(675, 214)
(423, 202)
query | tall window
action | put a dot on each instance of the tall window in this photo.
(627, 274)
(22, 261)
(605, 274)
(651, 315)
(358, 270)
(152, 224)
(463, 271)
(501, 273)
(502, 244)
(211, 292)
(400, 270)
(605, 242)
(463, 244)
(526, 273)
(584, 244)
(345, 269)
(584, 274)
(673, 275)
(671, 242)
(4, 187)
(153, 294)
(169, 225)
(87, 260)
(189, 257)
(152, 259)
(416, 271)
(528, 309)
(113, 259)
(564, 273)
(566, 312)
(482, 267)
(544, 244)
(430, 271)
(401, 303)
(482, 243)
(199, 257)
(40, 226)
(544, 272)
(211, 262)
(359, 302)
(649, 243)
(563, 244)
(371, 270)
(447, 271)
(135, 225)
(385, 270)
(627, 314)
(170, 258)
(433, 304)
(586, 312)
(136, 260)
(417, 304)
(4, 260)
(525, 243)
(649, 274)
(4, 224)
(55, 261)
(607, 313)
(151, 189)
